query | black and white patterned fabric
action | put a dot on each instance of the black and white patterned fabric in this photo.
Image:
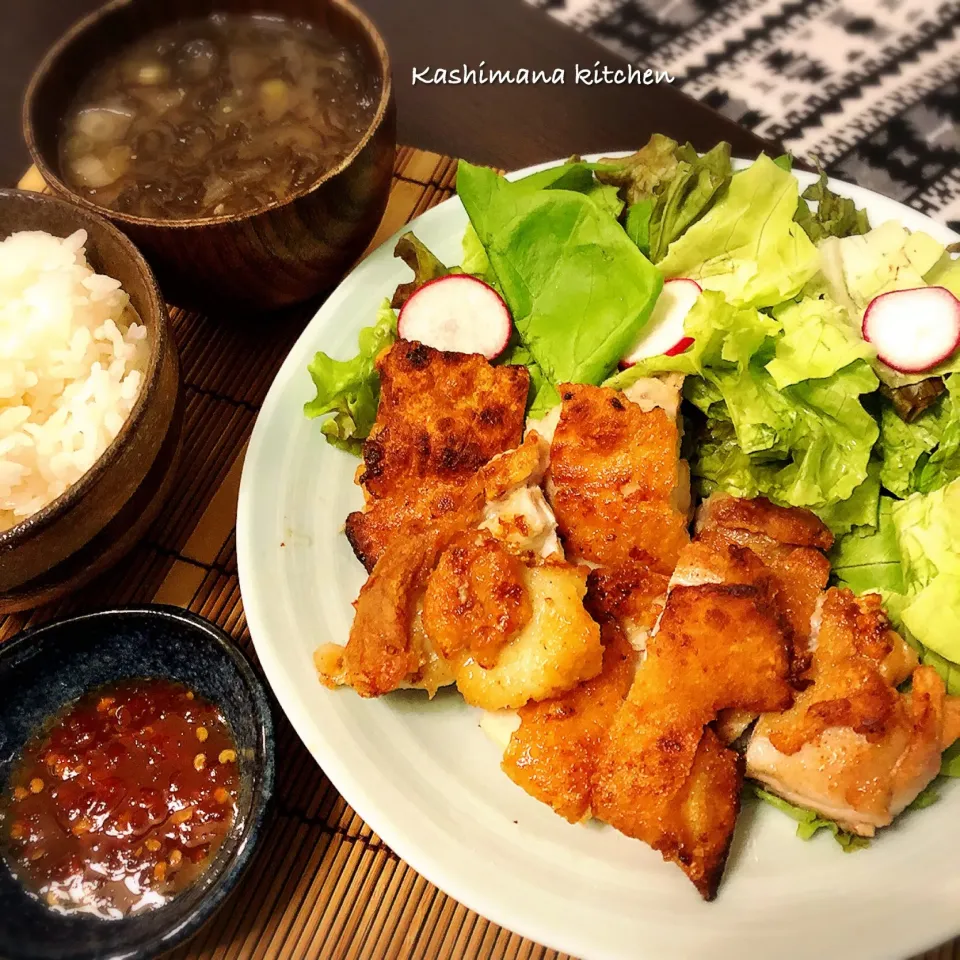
(869, 87)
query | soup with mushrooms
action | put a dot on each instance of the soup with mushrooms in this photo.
(221, 115)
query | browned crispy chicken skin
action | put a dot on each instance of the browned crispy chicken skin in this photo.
(475, 596)
(441, 417)
(790, 543)
(663, 776)
(615, 481)
(615, 484)
(853, 747)
(553, 753)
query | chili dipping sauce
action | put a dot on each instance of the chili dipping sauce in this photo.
(121, 801)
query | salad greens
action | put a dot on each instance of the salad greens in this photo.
(912, 560)
(924, 454)
(668, 187)
(421, 261)
(805, 442)
(748, 246)
(578, 289)
(350, 389)
(835, 216)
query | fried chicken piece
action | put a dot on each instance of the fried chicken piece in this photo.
(557, 649)
(790, 541)
(441, 417)
(631, 594)
(402, 636)
(853, 747)
(553, 752)
(476, 600)
(663, 776)
(387, 648)
(615, 480)
(788, 525)
(607, 452)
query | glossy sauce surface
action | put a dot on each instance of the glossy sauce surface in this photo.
(122, 801)
(217, 115)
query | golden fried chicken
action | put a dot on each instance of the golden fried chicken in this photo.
(451, 601)
(853, 747)
(790, 541)
(387, 647)
(615, 480)
(663, 776)
(476, 600)
(553, 752)
(617, 486)
(441, 417)
(631, 594)
(558, 648)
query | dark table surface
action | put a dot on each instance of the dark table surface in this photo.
(503, 124)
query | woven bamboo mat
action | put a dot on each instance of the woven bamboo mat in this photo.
(323, 884)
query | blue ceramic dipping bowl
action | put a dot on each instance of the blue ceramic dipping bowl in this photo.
(41, 671)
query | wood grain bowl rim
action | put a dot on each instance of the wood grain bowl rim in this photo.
(50, 175)
(160, 343)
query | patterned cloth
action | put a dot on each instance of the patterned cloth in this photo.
(870, 87)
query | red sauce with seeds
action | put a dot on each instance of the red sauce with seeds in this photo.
(122, 801)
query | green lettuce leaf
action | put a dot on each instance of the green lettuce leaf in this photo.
(577, 287)
(928, 611)
(817, 342)
(350, 389)
(806, 444)
(637, 176)
(747, 245)
(667, 187)
(475, 260)
(835, 216)
(543, 395)
(943, 464)
(638, 224)
(945, 273)
(922, 455)
(818, 430)
(809, 822)
(425, 266)
(868, 557)
(684, 197)
(860, 510)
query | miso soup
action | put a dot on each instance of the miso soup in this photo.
(220, 115)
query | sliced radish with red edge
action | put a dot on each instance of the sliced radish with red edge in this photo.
(913, 330)
(458, 313)
(663, 332)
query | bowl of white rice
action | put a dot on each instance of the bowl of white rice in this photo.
(88, 381)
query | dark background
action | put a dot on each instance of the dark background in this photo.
(508, 126)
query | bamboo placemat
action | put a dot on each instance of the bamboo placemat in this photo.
(323, 884)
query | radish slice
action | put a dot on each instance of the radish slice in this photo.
(458, 313)
(663, 333)
(913, 330)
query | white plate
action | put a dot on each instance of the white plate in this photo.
(428, 780)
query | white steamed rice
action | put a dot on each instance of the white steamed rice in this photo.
(71, 365)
